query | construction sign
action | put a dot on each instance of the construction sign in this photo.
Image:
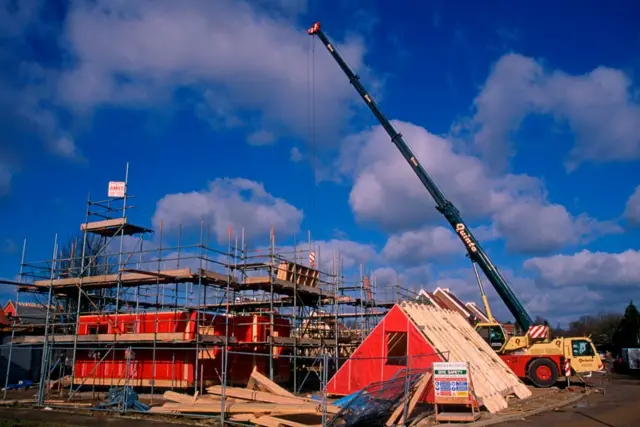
(451, 382)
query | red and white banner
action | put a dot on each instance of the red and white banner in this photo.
(312, 259)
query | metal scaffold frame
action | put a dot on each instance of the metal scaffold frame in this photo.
(111, 277)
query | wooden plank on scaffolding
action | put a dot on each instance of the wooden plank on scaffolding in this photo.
(107, 338)
(111, 280)
(221, 278)
(103, 225)
(283, 287)
(133, 382)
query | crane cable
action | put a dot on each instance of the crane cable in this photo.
(311, 111)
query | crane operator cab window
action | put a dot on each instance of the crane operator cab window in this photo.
(582, 348)
(493, 335)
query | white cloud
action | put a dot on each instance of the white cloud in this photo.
(536, 297)
(386, 192)
(15, 17)
(386, 279)
(632, 208)
(569, 286)
(339, 254)
(586, 268)
(385, 275)
(348, 253)
(67, 148)
(598, 107)
(422, 246)
(8, 246)
(245, 60)
(28, 117)
(295, 155)
(6, 175)
(462, 282)
(236, 202)
(261, 137)
(532, 227)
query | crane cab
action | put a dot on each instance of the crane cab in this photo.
(493, 334)
(582, 355)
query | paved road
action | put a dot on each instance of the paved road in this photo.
(619, 406)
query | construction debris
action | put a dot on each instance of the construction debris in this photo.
(262, 402)
(123, 398)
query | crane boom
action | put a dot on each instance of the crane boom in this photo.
(444, 206)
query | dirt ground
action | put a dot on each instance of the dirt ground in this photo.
(17, 417)
(618, 406)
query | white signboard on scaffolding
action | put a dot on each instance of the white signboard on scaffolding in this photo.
(116, 188)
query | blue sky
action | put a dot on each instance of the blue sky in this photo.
(527, 117)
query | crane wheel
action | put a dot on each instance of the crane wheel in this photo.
(543, 373)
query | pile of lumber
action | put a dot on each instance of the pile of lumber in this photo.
(261, 402)
(449, 333)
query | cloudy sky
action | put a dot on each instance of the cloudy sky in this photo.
(527, 118)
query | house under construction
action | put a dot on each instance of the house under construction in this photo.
(126, 309)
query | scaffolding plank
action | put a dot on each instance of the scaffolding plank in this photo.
(163, 337)
(283, 287)
(111, 280)
(105, 224)
(222, 278)
(112, 227)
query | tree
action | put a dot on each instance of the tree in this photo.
(627, 333)
(600, 327)
(97, 260)
(539, 320)
(94, 260)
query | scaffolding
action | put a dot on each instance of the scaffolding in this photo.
(94, 286)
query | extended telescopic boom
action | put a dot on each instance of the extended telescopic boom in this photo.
(443, 205)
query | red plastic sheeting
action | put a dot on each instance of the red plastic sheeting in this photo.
(172, 368)
(369, 362)
(247, 328)
(176, 367)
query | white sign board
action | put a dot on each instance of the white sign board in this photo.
(116, 189)
(451, 380)
(632, 357)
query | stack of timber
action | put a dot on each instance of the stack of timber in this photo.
(448, 331)
(262, 402)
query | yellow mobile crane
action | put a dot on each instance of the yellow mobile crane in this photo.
(533, 355)
(536, 355)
